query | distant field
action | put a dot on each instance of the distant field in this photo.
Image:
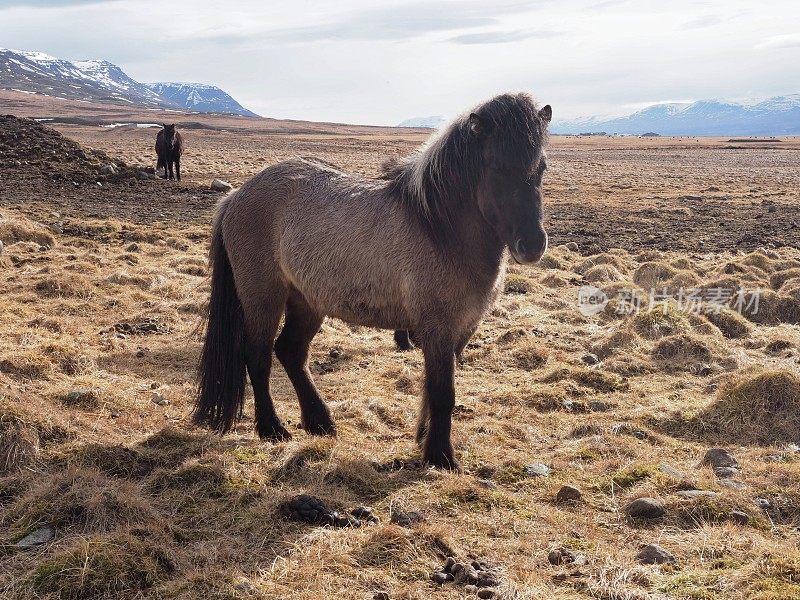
(103, 287)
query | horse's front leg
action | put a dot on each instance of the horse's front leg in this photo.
(438, 403)
(178, 168)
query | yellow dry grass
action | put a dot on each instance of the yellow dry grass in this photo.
(145, 506)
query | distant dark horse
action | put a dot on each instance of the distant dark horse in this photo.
(169, 147)
(305, 240)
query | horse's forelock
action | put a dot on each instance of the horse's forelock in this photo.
(434, 181)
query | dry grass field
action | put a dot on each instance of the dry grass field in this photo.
(103, 284)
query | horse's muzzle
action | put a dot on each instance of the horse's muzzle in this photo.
(529, 252)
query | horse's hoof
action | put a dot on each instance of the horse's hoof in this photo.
(275, 433)
(321, 428)
(442, 459)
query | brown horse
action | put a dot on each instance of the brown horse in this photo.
(169, 147)
(307, 240)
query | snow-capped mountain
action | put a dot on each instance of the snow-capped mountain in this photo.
(199, 97)
(100, 80)
(774, 116)
(433, 122)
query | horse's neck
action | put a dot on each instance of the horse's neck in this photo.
(477, 246)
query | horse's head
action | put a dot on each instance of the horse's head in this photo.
(169, 135)
(513, 133)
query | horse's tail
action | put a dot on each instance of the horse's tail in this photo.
(221, 372)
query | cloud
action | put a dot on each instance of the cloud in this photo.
(48, 3)
(392, 22)
(791, 40)
(502, 37)
(703, 21)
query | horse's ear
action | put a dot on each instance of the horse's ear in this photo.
(546, 113)
(476, 125)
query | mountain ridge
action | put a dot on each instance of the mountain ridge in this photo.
(778, 115)
(40, 73)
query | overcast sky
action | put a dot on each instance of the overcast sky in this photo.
(379, 62)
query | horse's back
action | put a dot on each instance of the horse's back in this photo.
(336, 238)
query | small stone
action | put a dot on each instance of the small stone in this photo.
(668, 470)
(406, 519)
(719, 457)
(218, 185)
(2, 248)
(654, 554)
(590, 359)
(640, 435)
(486, 483)
(335, 353)
(645, 508)
(245, 586)
(37, 537)
(733, 484)
(762, 503)
(115, 414)
(572, 246)
(448, 565)
(470, 589)
(159, 399)
(561, 556)
(568, 493)
(600, 406)
(82, 397)
(466, 575)
(380, 596)
(696, 494)
(537, 470)
(456, 568)
(108, 169)
(487, 593)
(365, 513)
(55, 228)
(739, 517)
(154, 386)
(140, 353)
(725, 472)
(441, 577)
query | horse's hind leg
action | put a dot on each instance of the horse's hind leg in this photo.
(261, 325)
(302, 324)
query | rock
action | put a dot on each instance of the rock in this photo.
(600, 406)
(568, 493)
(82, 397)
(725, 472)
(671, 471)
(159, 399)
(55, 228)
(487, 593)
(739, 517)
(142, 175)
(380, 596)
(537, 470)
(406, 519)
(467, 575)
(448, 564)
(487, 581)
(310, 509)
(486, 483)
(365, 513)
(762, 503)
(218, 185)
(561, 556)
(590, 359)
(733, 484)
(654, 554)
(441, 577)
(645, 508)
(719, 457)
(109, 169)
(115, 414)
(37, 537)
(696, 494)
(470, 589)
(572, 246)
(134, 247)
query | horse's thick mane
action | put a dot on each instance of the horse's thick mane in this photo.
(444, 174)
